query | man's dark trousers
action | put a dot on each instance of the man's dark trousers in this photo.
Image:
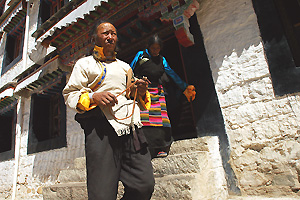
(110, 158)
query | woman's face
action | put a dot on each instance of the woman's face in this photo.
(154, 49)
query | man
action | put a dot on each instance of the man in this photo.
(114, 143)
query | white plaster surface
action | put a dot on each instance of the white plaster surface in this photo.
(263, 129)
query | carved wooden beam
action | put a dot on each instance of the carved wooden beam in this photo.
(180, 18)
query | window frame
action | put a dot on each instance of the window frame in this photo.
(2, 5)
(9, 154)
(34, 144)
(52, 4)
(17, 54)
(287, 15)
(285, 74)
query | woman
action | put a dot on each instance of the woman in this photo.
(156, 123)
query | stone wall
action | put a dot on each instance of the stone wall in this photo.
(263, 129)
(39, 169)
(6, 178)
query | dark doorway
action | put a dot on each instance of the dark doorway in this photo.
(202, 117)
(179, 109)
(208, 115)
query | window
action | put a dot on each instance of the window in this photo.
(48, 119)
(278, 22)
(289, 12)
(49, 8)
(7, 123)
(14, 46)
(7, 132)
(2, 4)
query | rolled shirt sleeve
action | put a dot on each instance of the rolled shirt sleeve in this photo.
(77, 85)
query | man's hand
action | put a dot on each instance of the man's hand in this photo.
(104, 99)
(142, 86)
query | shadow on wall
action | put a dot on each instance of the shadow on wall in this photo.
(219, 29)
(234, 26)
(208, 116)
(48, 164)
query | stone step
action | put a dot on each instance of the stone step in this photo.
(172, 165)
(172, 187)
(261, 198)
(72, 175)
(177, 187)
(186, 163)
(190, 145)
(193, 170)
(178, 147)
(185, 157)
(66, 191)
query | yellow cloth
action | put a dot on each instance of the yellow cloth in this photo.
(84, 102)
(99, 55)
(145, 104)
(190, 93)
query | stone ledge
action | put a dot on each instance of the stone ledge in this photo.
(174, 187)
(260, 198)
(80, 163)
(72, 175)
(179, 164)
(190, 145)
(178, 147)
(191, 171)
(68, 191)
(171, 165)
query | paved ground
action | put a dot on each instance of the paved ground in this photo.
(262, 198)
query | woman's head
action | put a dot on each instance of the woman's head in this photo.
(154, 45)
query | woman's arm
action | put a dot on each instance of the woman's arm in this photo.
(180, 83)
(135, 60)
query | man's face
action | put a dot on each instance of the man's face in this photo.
(106, 37)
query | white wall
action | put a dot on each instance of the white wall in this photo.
(39, 169)
(262, 129)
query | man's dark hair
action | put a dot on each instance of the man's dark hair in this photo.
(155, 39)
(93, 32)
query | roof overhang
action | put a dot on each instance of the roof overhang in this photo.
(70, 17)
(12, 15)
(41, 76)
(7, 100)
(9, 92)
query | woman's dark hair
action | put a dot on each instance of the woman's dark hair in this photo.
(155, 39)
